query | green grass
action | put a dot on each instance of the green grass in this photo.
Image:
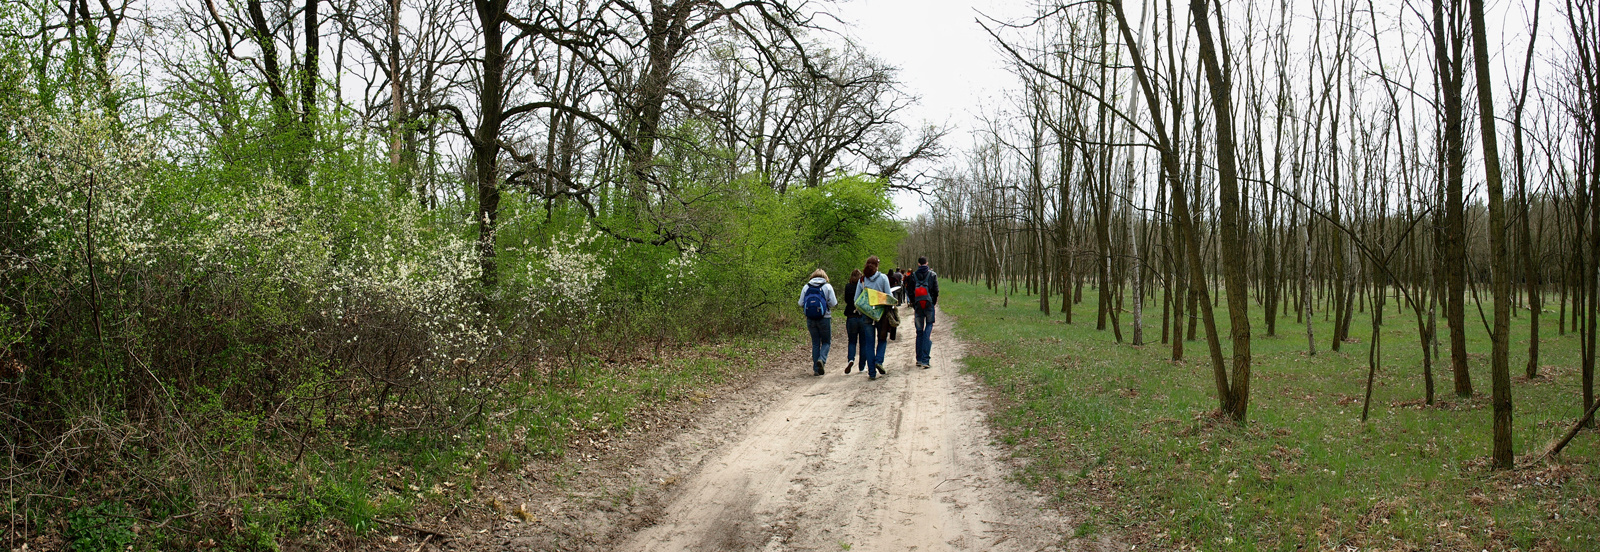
(1127, 437)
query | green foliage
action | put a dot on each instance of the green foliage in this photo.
(737, 250)
(241, 314)
(844, 221)
(101, 527)
(1134, 437)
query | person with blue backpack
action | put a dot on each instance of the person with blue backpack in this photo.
(817, 300)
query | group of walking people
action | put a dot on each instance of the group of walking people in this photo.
(869, 335)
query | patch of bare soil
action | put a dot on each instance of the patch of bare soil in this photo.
(782, 460)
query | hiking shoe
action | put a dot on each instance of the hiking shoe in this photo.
(872, 378)
(848, 365)
(925, 366)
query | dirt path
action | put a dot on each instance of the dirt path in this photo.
(842, 463)
(782, 460)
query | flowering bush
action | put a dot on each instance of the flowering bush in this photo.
(144, 285)
(561, 278)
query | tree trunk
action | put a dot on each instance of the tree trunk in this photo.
(1530, 273)
(1500, 363)
(1236, 401)
(486, 138)
(1447, 42)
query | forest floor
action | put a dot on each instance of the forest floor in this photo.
(1132, 438)
(783, 460)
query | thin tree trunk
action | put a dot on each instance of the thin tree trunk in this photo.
(1530, 273)
(1500, 363)
(1448, 57)
(1236, 400)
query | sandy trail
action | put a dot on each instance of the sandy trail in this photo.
(842, 463)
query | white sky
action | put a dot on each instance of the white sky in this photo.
(944, 57)
(949, 62)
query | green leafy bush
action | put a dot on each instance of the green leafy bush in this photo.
(101, 527)
(846, 220)
(203, 322)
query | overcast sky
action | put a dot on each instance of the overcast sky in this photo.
(949, 62)
(944, 57)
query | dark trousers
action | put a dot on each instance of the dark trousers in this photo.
(885, 330)
(881, 330)
(924, 324)
(854, 327)
(870, 358)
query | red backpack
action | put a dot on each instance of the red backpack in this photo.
(919, 296)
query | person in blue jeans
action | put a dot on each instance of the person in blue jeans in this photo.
(854, 322)
(924, 296)
(873, 337)
(821, 327)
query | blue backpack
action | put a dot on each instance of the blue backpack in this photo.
(816, 303)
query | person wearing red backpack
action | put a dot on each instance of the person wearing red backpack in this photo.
(924, 295)
(817, 301)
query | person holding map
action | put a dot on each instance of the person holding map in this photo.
(873, 307)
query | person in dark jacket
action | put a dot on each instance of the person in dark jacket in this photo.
(896, 279)
(854, 323)
(924, 277)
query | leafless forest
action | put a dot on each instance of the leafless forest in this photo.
(1272, 162)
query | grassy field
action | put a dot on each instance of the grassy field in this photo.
(1127, 436)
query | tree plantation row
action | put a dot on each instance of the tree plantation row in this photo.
(249, 247)
(1295, 160)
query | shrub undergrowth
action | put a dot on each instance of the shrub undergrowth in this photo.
(249, 337)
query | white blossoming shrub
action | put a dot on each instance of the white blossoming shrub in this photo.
(127, 280)
(72, 195)
(561, 279)
(552, 291)
(191, 316)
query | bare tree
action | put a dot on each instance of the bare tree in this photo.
(1500, 363)
(1448, 40)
